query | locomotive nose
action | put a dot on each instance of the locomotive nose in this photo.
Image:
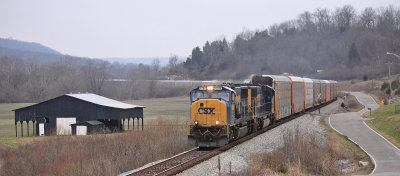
(208, 112)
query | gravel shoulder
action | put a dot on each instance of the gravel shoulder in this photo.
(238, 158)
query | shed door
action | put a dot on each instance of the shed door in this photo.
(64, 125)
(41, 129)
(81, 130)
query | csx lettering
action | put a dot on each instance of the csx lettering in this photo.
(206, 111)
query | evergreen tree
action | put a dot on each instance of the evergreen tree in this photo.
(354, 56)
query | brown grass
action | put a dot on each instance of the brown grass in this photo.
(305, 155)
(94, 154)
(300, 155)
(352, 104)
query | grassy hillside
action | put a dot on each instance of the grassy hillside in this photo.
(386, 122)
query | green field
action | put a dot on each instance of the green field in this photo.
(164, 108)
(175, 108)
(386, 122)
(7, 127)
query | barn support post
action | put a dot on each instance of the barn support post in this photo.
(133, 124)
(22, 129)
(142, 123)
(123, 124)
(138, 127)
(27, 127)
(16, 132)
(33, 128)
(119, 125)
(128, 122)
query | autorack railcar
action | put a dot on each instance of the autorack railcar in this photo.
(283, 93)
(298, 97)
(317, 88)
(309, 96)
(226, 112)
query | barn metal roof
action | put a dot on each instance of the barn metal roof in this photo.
(103, 101)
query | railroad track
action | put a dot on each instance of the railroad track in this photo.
(167, 164)
(186, 160)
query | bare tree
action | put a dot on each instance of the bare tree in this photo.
(387, 20)
(70, 80)
(322, 19)
(344, 17)
(306, 22)
(172, 65)
(96, 73)
(368, 18)
(155, 68)
(40, 78)
(12, 79)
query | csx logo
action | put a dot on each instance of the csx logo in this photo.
(206, 111)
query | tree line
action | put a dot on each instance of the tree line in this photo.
(342, 43)
(29, 81)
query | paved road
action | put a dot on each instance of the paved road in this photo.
(385, 155)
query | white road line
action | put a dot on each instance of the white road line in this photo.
(373, 129)
(373, 159)
(382, 136)
(329, 120)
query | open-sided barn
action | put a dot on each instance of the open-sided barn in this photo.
(58, 115)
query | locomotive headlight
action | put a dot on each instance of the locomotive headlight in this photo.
(196, 122)
(217, 122)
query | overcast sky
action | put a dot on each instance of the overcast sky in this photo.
(147, 28)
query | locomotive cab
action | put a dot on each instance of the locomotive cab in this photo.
(219, 114)
(210, 107)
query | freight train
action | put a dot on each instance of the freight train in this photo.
(226, 112)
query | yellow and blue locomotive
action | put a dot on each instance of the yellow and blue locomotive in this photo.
(222, 113)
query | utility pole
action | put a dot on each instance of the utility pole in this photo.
(390, 84)
(389, 64)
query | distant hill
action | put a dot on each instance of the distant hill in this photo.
(31, 51)
(37, 57)
(43, 54)
(26, 46)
